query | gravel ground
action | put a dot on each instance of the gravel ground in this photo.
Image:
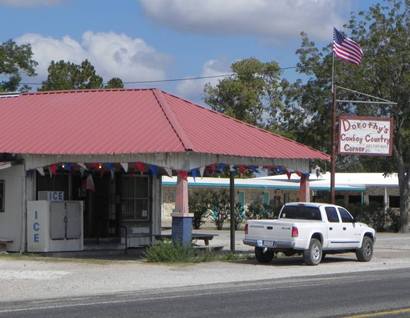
(23, 278)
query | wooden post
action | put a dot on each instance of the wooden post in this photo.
(232, 206)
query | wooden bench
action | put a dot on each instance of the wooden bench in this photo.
(195, 236)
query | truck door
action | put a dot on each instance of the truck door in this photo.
(351, 234)
(334, 230)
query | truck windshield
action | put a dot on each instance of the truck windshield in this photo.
(301, 212)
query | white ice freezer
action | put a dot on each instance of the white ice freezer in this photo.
(55, 226)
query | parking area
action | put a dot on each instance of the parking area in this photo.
(387, 244)
(25, 278)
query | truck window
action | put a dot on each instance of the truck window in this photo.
(331, 214)
(345, 215)
(301, 212)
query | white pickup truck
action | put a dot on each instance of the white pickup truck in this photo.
(310, 229)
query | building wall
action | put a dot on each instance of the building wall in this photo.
(11, 220)
(276, 197)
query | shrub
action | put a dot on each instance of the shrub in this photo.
(258, 210)
(219, 208)
(169, 252)
(239, 215)
(216, 205)
(375, 216)
(199, 203)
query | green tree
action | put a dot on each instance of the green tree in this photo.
(115, 82)
(15, 60)
(383, 32)
(66, 75)
(252, 94)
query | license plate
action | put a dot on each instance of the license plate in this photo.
(269, 243)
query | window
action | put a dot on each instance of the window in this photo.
(354, 199)
(277, 201)
(394, 201)
(286, 197)
(376, 200)
(134, 198)
(345, 215)
(2, 196)
(301, 212)
(331, 214)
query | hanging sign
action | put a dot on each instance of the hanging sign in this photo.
(360, 135)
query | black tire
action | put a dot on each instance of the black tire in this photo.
(365, 253)
(323, 256)
(263, 257)
(313, 255)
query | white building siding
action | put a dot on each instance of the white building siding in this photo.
(11, 220)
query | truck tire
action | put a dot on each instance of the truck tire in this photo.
(365, 253)
(263, 257)
(313, 255)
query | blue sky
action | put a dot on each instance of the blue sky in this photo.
(162, 39)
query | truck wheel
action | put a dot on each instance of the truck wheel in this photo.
(365, 253)
(263, 257)
(313, 255)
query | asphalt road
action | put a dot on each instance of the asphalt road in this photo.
(346, 295)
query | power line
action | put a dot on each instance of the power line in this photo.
(192, 78)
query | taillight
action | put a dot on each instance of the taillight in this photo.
(295, 231)
(246, 228)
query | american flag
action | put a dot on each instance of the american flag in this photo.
(346, 49)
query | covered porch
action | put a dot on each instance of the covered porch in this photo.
(152, 132)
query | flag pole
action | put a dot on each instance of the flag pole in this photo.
(333, 136)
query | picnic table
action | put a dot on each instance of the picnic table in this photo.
(195, 236)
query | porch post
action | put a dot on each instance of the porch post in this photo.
(232, 209)
(304, 190)
(181, 218)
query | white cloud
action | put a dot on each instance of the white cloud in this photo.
(194, 89)
(29, 3)
(273, 19)
(112, 54)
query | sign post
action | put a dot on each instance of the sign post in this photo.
(358, 135)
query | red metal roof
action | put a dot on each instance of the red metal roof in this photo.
(131, 121)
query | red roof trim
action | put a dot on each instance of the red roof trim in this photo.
(173, 121)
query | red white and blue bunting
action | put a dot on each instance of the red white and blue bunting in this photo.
(141, 168)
